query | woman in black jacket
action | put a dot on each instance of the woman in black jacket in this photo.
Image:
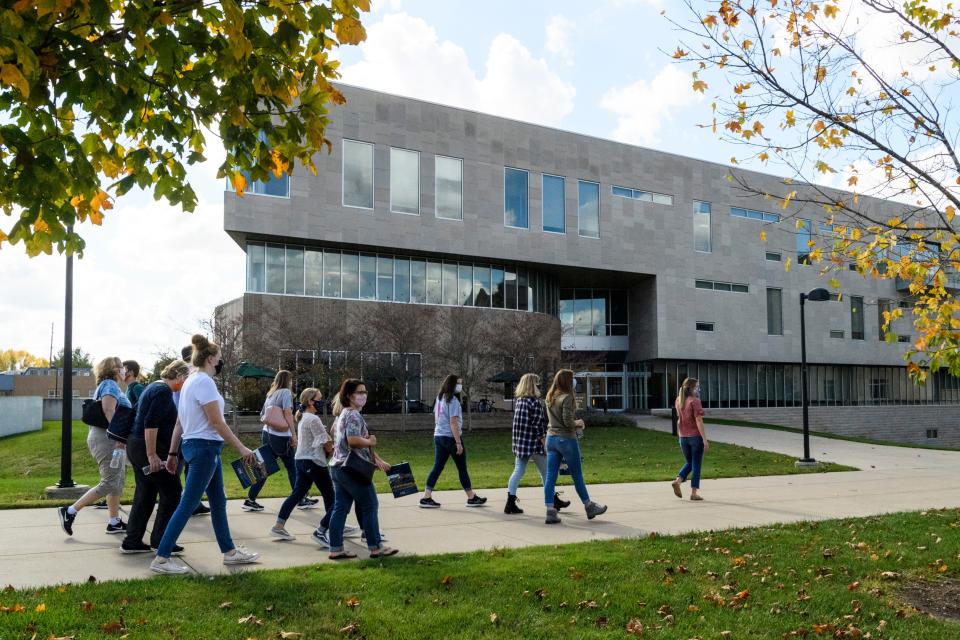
(147, 447)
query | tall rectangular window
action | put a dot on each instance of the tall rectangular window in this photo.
(856, 317)
(498, 287)
(510, 302)
(255, 268)
(434, 286)
(804, 237)
(401, 280)
(523, 299)
(418, 281)
(451, 294)
(481, 286)
(515, 198)
(351, 276)
(357, 174)
(554, 210)
(275, 267)
(368, 277)
(449, 187)
(466, 285)
(384, 278)
(588, 209)
(701, 226)
(883, 305)
(331, 274)
(313, 272)
(405, 181)
(774, 312)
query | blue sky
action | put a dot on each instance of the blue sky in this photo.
(151, 273)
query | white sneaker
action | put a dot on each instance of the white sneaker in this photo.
(350, 531)
(166, 565)
(283, 534)
(240, 556)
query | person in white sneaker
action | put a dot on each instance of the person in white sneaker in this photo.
(203, 433)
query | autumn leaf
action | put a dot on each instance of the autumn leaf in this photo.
(680, 53)
(494, 618)
(446, 581)
(40, 608)
(225, 605)
(250, 619)
(635, 627)
(351, 628)
(786, 265)
(710, 20)
(114, 627)
(353, 602)
(699, 85)
(831, 10)
(763, 236)
(820, 74)
(852, 181)
(290, 635)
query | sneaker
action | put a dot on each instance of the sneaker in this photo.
(476, 501)
(311, 500)
(201, 510)
(120, 527)
(595, 509)
(134, 547)
(240, 556)
(320, 537)
(251, 505)
(66, 520)
(552, 517)
(429, 503)
(100, 505)
(283, 534)
(383, 537)
(168, 566)
(176, 551)
(306, 503)
(349, 531)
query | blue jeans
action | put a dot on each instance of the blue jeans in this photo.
(520, 467)
(203, 456)
(445, 447)
(281, 447)
(692, 447)
(346, 490)
(566, 450)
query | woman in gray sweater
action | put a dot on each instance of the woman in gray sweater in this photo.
(563, 446)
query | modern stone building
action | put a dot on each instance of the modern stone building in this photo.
(643, 267)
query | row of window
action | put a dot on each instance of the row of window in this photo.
(721, 286)
(594, 312)
(296, 270)
(516, 203)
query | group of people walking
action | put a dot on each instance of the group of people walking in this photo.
(179, 425)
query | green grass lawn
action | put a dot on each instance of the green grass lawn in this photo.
(809, 580)
(31, 462)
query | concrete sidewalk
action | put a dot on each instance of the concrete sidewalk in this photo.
(36, 551)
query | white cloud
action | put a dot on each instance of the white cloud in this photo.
(559, 32)
(644, 108)
(404, 55)
(147, 276)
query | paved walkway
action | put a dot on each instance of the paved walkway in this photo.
(36, 552)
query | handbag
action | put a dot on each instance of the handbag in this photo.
(358, 467)
(273, 417)
(93, 414)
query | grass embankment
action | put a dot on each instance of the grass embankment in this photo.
(838, 579)
(31, 461)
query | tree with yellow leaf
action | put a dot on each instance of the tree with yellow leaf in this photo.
(100, 96)
(859, 92)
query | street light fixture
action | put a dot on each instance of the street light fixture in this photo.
(816, 295)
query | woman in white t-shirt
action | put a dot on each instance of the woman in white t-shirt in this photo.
(203, 431)
(279, 433)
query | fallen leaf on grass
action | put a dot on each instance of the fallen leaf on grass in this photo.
(250, 619)
(61, 589)
(726, 635)
(351, 628)
(226, 605)
(602, 622)
(635, 627)
(828, 553)
(890, 575)
(86, 606)
(114, 627)
(446, 581)
(41, 608)
(494, 618)
(853, 586)
(353, 602)
(290, 635)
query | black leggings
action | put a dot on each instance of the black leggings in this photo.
(309, 473)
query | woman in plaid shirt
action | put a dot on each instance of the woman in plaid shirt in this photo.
(529, 431)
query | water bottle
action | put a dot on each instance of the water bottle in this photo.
(116, 462)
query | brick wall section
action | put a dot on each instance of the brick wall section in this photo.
(905, 423)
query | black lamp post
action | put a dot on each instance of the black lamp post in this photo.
(66, 427)
(816, 295)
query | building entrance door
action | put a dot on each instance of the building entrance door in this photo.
(600, 391)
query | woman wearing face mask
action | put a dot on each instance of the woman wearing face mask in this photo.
(448, 442)
(110, 373)
(693, 437)
(203, 434)
(351, 437)
(562, 445)
(148, 446)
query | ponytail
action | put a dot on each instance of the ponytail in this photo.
(305, 396)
